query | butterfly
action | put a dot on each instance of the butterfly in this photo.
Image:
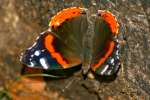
(64, 45)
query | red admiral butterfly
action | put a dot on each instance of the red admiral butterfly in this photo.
(61, 46)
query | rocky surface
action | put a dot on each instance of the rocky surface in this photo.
(21, 21)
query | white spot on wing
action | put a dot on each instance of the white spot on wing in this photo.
(117, 57)
(32, 56)
(42, 33)
(109, 73)
(112, 60)
(31, 64)
(117, 52)
(104, 70)
(37, 53)
(32, 46)
(37, 38)
(44, 63)
(43, 50)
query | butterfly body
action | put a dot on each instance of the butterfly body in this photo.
(67, 43)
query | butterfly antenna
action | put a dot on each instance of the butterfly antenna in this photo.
(69, 84)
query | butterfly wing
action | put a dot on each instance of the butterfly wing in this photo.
(70, 27)
(61, 46)
(105, 48)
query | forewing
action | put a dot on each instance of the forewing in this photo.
(48, 52)
(105, 47)
(70, 26)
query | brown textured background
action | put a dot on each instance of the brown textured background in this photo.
(21, 21)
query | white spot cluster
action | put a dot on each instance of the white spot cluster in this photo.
(42, 60)
(113, 62)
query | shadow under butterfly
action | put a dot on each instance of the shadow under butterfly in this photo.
(60, 50)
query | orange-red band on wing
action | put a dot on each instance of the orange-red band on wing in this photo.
(111, 20)
(111, 46)
(63, 15)
(48, 44)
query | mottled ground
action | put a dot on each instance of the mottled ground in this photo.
(21, 21)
